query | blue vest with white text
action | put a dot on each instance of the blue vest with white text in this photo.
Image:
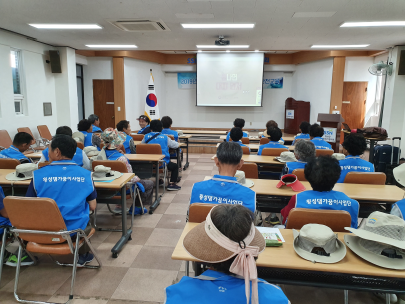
(161, 139)
(228, 136)
(96, 129)
(271, 145)
(223, 190)
(320, 143)
(214, 287)
(329, 200)
(401, 207)
(126, 144)
(171, 132)
(291, 166)
(300, 136)
(113, 154)
(87, 139)
(77, 158)
(68, 185)
(144, 130)
(353, 163)
(13, 152)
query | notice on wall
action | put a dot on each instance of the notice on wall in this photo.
(273, 83)
(187, 80)
(289, 114)
(329, 135)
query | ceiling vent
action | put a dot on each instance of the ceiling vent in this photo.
(140, 25)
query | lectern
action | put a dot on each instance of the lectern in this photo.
(331, 124)
(296, 111)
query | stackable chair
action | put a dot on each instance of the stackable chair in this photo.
(251, 170)
(44, 133)
(245, 140)
(9, 163)
(300, 174)
(246, 150)
(40, 141)
(39, 223)
(80, 145)
(5, 140)
(370, 178)
(273, 151)
(264, 140)
(154, 149)
(137, 137)
(324, 152)
(43, 164)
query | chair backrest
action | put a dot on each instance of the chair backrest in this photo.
(198, 212)
(115, 165)
(148, 149)
(34, 213)
(27, 130)
(171, 136)
(137, 137)
(336, 220)
(9, 163)
(80, 145)
(246, 150)
(245, 140)
(250, 170)
(371, 178)
(44, 132)
(264, 140)
(300, 174)
(5, 139)
(43, 164)
(323, 152)
(273, 151)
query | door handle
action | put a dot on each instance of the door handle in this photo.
(113, 117)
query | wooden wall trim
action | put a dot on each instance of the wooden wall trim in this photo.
(119, 89)
(87, 53)
(337, 84)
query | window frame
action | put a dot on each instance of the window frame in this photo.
(20, 98)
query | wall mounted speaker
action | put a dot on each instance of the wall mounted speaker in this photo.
(55, 62)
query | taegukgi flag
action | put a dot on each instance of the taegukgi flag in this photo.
(151, 104)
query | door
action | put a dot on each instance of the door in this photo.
(354, 104)
(80, 91)
(103, 96)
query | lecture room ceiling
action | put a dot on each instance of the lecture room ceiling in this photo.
(277, 26)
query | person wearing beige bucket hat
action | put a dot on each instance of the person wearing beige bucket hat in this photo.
(229, 242)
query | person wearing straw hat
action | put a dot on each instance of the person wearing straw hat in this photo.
(315, 133)
(22, 142)
(304, 129)
(90, 139)
(304, 150)
(80, 156)
(354, 146)
(274, 135)
(236, 135)
(230, 243)
(223, 188)
(238, 123)
(322, 173)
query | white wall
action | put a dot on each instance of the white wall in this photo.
(313, 82)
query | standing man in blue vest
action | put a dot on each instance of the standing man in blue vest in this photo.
(21, 143)
(70, 186)
(354, 146)
(274, 135)
(316, 132)
(238, 123)
(129, 145)
(223, 187)
(144, 122)
(90, 139)
(95, 122)
(322, 173)
(304, 150)
(156, 137)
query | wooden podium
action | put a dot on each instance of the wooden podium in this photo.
(296, 111)
(332, 126)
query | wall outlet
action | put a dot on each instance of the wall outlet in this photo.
(250, 123)
(119, 108)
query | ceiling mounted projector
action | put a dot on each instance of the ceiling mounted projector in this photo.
(221, 41)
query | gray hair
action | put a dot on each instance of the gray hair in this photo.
(229, 153)
(92, 118)
(304, 150)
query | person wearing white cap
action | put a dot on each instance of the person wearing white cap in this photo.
(230, 243)
(303, 151)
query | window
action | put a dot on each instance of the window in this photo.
(16, 69)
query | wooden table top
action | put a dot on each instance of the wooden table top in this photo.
(203, 132)
(255, 147)
(34, 155)
(259, 159)
(185, 136)
(145, 157)
(115, 184)
(285, 257)
(256, 138)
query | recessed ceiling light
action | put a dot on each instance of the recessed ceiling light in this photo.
(216, 26)
(116, 46)
(222, 47)
(374, 23)
(65, 26)
(340, 46)
(228, 51)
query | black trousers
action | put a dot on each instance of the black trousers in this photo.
(174, 169)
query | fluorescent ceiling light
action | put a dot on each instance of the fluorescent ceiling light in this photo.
(65, 26)
(228, 51)
(223, 47)
(256, 51)
(199, 51)
(216, 26)
(374, 23)
(116, 46)
(339, 46)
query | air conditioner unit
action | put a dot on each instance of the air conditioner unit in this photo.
(134, 25)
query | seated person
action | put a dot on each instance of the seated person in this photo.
(167, 123)
(230, 268)
(144, 122)
(304, 129)
(398, 208)
(114, 151)
(322, 173)
(274, 135)
(315, 133)
(271, 124)
(60, 182)
(95, 122)
(236, 135)
(90, 139)
(237, 123)
(156, 137)
(303, 151)
(80, 156)
(354, 145)
(21, 143)
(129, 145)
(223, 188)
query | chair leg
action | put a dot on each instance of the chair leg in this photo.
(17, 274)
(346, 296)
(75, 258)
(387, 298)
(187, 268)
(2, 249)
(140, 199)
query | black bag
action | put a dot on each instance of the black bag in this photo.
(374, 133)
(386, 158)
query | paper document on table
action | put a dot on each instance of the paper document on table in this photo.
(271, 233)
